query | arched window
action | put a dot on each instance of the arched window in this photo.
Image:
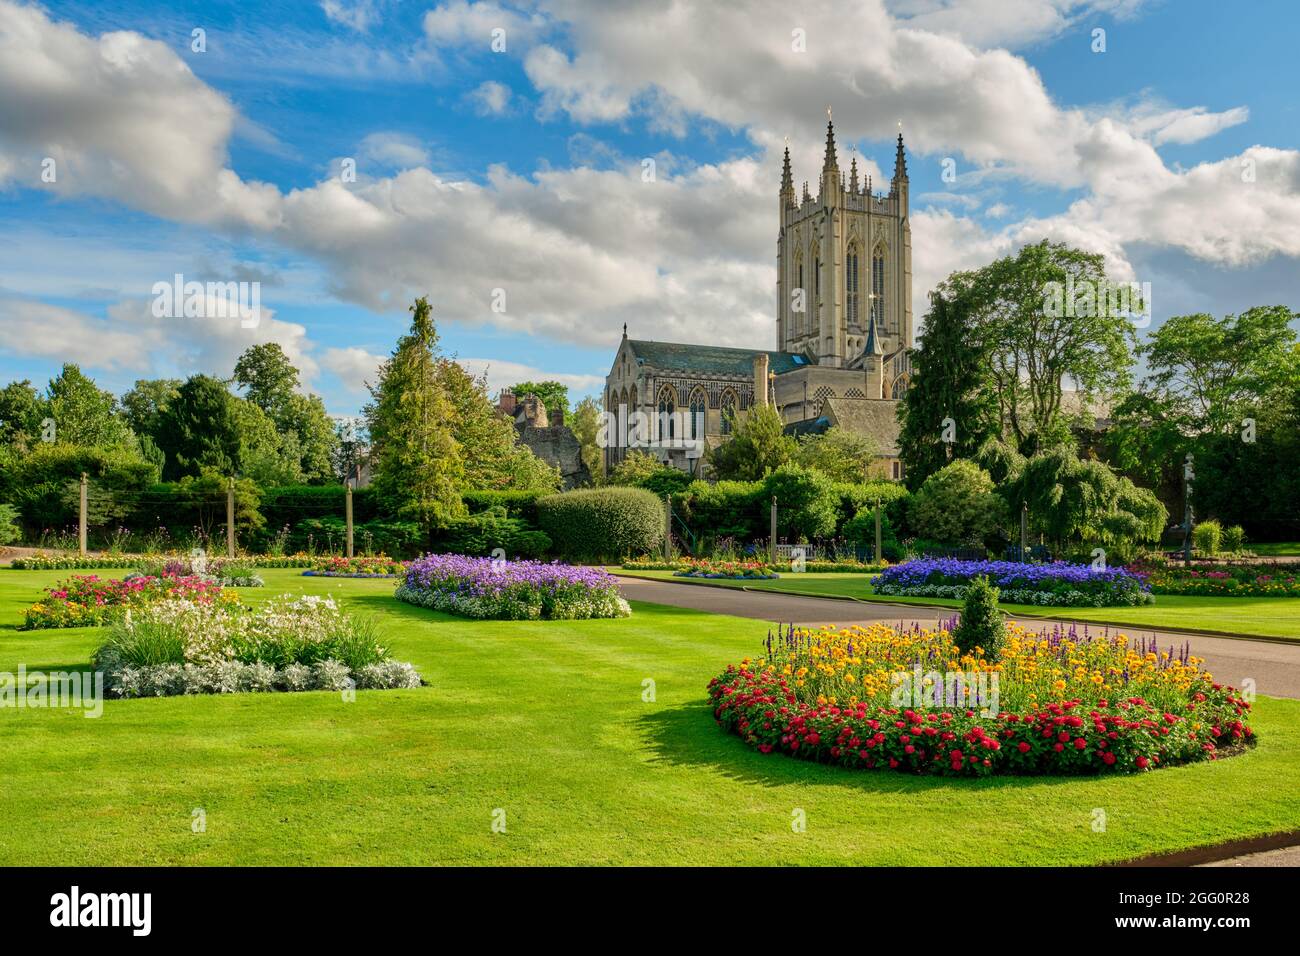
(667, 413)
(699, 409)
(899, 388)
(851, 285)
(817, 279)
(878, 285)
(727, 406)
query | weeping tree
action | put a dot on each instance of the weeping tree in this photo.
(1077, 504)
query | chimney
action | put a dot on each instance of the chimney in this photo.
(760, 378)
(506, 402)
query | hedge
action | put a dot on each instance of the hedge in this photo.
(517, 504)
(602, 524)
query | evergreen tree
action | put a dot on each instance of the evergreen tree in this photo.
(418, 469)
(981, 623)
(949, 372)
(758, 445)
(198, 430)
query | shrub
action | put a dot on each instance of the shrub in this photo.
(518, 504)
(601, 524)
(981, 623)
(1207, 537)
(486, 532)
(805, 502)
(1234, 539)
(957, 505)
(861, 530)
(9, 529)
(510, 590)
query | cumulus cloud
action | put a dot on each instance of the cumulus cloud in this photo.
(490, 98)
(393, 150)
(357, 15)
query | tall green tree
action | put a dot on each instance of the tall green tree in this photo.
(271, 382)
(586, 426)
(20, 415)
(839, 454)
(85, 414)
(489, 445)
(1044, 317)
(267, 377)
(950, 380)
(758, 445)
(198, 430)
(418, 468)
(143, 405)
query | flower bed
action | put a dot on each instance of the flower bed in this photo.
(1226, 580)
(511, 590)
(732, 570)
(228, 572)
(87, 599)
(289, 644)
(1062, 703)
(379, 566)
(73, 562)
(1057, 584)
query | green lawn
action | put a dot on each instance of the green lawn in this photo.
(1260, 617)
(1276, 549)
(546, 721)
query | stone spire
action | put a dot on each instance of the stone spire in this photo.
(853, 174)
(900, 161)
(830, 163)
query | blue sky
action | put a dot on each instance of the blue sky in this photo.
(520, 170)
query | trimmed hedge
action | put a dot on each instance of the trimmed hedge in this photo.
(602, 524)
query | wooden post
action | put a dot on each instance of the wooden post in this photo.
(347, 511)
(1024, 533)
(230, 519)
(771, 541)
(81, 519)
(879, 554)
(667, 527)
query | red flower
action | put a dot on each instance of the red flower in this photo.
(1024, 747)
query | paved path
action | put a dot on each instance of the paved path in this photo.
(1274, 667)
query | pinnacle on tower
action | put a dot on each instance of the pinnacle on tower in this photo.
(806, 196)
(830, 163)
(787, 181)
(900, 161)
(853, 174)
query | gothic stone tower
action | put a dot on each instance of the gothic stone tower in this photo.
(844, 266)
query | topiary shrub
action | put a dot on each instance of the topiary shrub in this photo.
(981, 623)
(602, 524)
(957, 505)
(1207, 537)
(1234, 539)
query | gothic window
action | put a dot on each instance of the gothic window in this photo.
(800, 319)
(899, 388)
(667, 413)
(878, 285)
(727, 407)
(851, 285)
(699, 406)
(817, 279)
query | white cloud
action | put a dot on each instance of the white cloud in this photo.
(355, 367)
(34, 329)
(490, 98)
(358, 15)
(1005, 23)
(469, 27)
(393, 150)
(501, 374)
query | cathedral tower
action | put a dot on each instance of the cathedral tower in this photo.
(844, 265)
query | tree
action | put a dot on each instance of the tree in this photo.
(949, 380)
(84, 414)
(268, 378)
(839, 454)
(552, 394)
(1043, 316)
(585, 424)
(143, 405)
(957, 505)
(266, 455)
(490, 448)
(1218, 370)
(757, 446)
(635, 467)
(198, 429)
(20, 415)
(418, 468)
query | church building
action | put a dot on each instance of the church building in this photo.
(843, 332)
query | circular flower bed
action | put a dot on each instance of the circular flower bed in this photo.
(1054, 585)
(377, 566)
(731, 570)
(905, 699)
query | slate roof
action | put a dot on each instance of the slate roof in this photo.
(704, 359)
(874, 417)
